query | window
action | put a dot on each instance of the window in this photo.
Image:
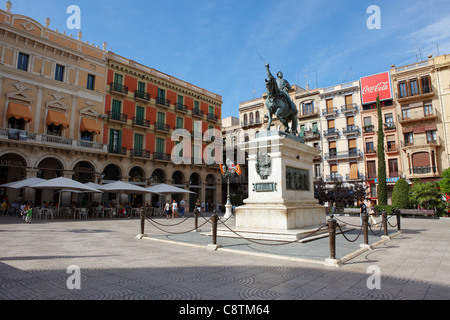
(428, 109)
(159, 145)
(314, 127)
(369, 146)
(333, 149)
(91, 82)
(390, 141)
(22, 63)
(18, 124)
(409, 138)
(196, 105)
(115, 141)
(87, 136)
(180, 123)
(426, 84)
(413, 87)
(140, 115)
(373, 190)
(138, 143)
(141, 87)
(388, 118)
(431, 136)
(352, 150)
(308, 108)
(161, 96)
(402, 92)
(116, 109)
(302, 131)
(54, 130)
(59, 72)
(371, 169)
(406, 114)
(393, 168)
(317, 170)
(118, 78)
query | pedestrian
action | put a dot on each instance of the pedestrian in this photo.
(167, 209)
(182, 207)
(362, 212)
(29, 214)
(174, 209)
(373, 214)
(198, 205)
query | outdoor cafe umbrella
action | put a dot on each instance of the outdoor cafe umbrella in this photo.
(167, 189)
(66, 184)
(27, 183)
(121, 187)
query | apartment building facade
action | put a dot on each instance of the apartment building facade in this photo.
(51, 98)
(143, 108)
(374, 86)
(420, 115)
(342, 145)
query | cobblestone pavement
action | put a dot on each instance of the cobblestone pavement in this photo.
(115, 265)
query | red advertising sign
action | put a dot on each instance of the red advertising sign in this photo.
(379, 84)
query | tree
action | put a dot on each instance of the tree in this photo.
(445, 182)
(401, 194)
(382, 183)
(321, 192)
(427, 195)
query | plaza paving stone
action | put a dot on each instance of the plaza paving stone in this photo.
(115, 265)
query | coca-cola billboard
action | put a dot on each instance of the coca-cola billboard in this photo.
(379, 84)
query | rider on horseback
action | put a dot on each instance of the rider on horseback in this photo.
(283, 86)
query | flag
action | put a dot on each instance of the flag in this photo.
(238, 170)
(221, 169)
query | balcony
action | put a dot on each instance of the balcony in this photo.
(359, 177)
(418, 114)
(334, 178)
(141, 95)
(159, 156)
(162, 127)
(330, 133)
(350, 130)
(311, 135)
(198, 113)
(31, 138)
(371, 152)
(139, 153)
(213, 117)
(369, 129)
(422, 170)
(391, 149)
(330, 112)
(116, 116)
(390, 126)
(118, 88)
(309, 113)
(425, 92)
(117, 150)
(141, 122)
(251, 123)
(349, 108)
(343, 155)
(163, 102)
(181, 107)
(418, 142)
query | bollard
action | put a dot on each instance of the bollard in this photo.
(366, 229)
(384, 221)
(397, 212)
(142, 222)
(214, 219)
(332, 231)
(196, 219)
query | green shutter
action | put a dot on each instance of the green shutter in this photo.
(118, 78)
(196, 105)
(141, 87)
(180, 100)
(179, 123)
(138, 143)
(140, 115)
(116, 109)
(161, 118)
(159, 145)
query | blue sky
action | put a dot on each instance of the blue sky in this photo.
(217, 44)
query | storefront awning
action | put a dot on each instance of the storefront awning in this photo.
(19, 111)
(90, 125)
(57, 119)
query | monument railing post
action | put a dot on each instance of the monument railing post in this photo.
(366, 229)
(385, 226)
(214, 219)
(142, 222)
(397, 212)
(332, 232)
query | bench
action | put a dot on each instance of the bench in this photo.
(418, 212)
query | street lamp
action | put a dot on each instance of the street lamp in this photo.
(228, 170)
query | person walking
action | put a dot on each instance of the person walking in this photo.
(174, 209)
(182, 207)
(167, 209)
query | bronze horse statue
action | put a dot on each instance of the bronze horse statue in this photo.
(279, 104)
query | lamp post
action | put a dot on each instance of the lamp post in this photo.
(227, 173)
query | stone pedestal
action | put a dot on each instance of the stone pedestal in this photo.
(281, 187)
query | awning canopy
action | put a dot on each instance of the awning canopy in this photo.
(57, 119)
(90, 125)
(19, 111)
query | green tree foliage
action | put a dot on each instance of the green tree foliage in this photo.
(401, 194)
(427, 196)
(382, 184)
(445, 182)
